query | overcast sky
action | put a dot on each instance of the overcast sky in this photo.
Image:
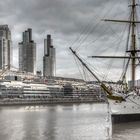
(75, 23)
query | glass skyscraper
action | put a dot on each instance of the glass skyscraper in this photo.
(27, 53)
(49, 58)
(5, 47)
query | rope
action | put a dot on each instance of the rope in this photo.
(117, 48)
(124, 73)
(92, 29)
(133, 101)
(78, 67)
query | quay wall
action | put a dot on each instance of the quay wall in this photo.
(48, 101)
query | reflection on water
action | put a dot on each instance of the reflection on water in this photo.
(59, 122)
(127, 131)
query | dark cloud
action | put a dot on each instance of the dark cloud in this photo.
(77, 21)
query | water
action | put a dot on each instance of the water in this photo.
(127, 131)
(62, 122)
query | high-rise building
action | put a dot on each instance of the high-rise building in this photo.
(27, 53)
(49, 57)
(5, 47)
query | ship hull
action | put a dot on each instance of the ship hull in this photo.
(123, 118)
(126, 111)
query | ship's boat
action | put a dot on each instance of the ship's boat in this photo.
(124, 104)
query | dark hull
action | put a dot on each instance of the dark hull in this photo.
(123, 118)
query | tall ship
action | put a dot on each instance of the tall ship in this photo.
(124, 104)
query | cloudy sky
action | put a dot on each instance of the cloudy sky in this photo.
(75, 23)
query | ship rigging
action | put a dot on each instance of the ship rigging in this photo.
(131, 52)
(124, 106)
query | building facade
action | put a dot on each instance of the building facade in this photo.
(49, 60)
(27, 53)
(5, 47)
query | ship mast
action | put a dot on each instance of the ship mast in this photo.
(133, 45)
(133, 51)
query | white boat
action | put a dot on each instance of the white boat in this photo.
(123, 106)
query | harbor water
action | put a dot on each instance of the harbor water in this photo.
(63, 122)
